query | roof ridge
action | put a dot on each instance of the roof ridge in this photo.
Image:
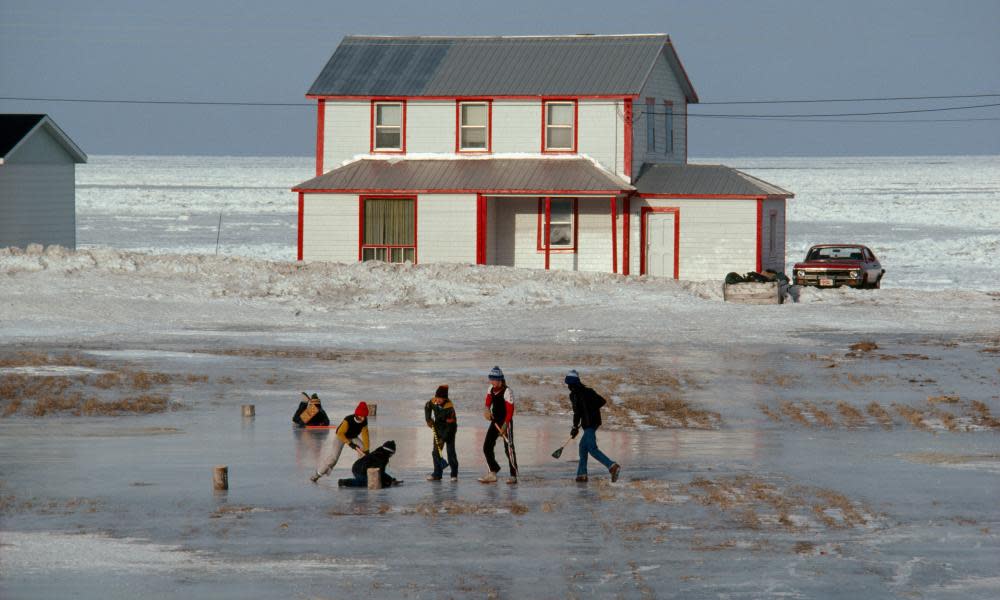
(504, 37)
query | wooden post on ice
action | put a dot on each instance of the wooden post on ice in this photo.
(374, 479)
(220, 478)
(248, 411)
(372, 409)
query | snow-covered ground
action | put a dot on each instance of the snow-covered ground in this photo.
(765, 451)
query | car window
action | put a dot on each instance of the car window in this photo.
(833, 253)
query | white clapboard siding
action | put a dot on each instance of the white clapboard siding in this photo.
(330, 227)
(661, 85)
(38, 194)
(773, 240)
(346, 131)
(430, 126)
(517, 126)
(602, 133)
(446, 228)
(716, 236)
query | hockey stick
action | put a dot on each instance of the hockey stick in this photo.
(559, 450)
(509, 446)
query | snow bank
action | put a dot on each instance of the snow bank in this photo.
(354, 285)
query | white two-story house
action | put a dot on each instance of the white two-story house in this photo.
(555, 152)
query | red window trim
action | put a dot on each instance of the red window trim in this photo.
(458, 126)
(677, 236)
(540, 230)
(402, 128)
(576, 124)
(361, 224)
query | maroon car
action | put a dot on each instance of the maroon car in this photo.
(834, 265)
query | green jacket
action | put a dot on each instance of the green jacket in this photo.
(442, 418)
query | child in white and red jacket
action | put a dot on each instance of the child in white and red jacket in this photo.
(500, 413)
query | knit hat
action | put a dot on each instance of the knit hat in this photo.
(442, 392)
(314, 397)
(361, 410)
(390, 446)
(496, 374)
(572, 378)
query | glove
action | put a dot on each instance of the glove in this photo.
(430, 424)
(487, 414)
(573, 432)
(503, 430)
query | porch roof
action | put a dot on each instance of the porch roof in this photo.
(577, 176)
(704, 181)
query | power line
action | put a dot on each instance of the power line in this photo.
(172, 102)
(882, 99)
(816, 115)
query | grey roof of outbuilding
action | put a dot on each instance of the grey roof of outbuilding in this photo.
(707, 180)
(14, 128)
(495, 66)
(512, 175)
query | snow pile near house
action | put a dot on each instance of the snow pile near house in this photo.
(357, 285)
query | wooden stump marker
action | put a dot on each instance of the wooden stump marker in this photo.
(220, 478)
(248, 411)
(372, 409)
(374, 479)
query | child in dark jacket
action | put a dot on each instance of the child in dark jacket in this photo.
(587, 415)
(310, 412)
(378, 459)
(439, 413)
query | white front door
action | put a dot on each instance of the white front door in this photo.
(660, 244)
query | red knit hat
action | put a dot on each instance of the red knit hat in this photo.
(361, 410)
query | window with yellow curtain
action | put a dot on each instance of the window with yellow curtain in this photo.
(389, 230)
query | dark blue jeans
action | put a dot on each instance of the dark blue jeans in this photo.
(588, 445)
(440, 463)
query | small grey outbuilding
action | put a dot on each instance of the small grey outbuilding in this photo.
(37, 182)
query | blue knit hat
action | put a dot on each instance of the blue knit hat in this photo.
(572, 377)
(496, 374)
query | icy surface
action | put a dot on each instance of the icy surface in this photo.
(791, 495)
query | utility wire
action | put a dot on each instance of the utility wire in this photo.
(885, 99)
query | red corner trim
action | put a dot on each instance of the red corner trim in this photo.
(760, 234)
(320, 134)
(301, 212)
(628, 139)
(480, 229)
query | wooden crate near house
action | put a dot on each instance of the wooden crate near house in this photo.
(771, 292)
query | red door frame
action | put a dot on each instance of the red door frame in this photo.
(677, 236)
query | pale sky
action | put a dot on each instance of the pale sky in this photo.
(256, 51)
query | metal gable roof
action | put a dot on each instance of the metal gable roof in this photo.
(703, 180)
(472, 175)
(501, 66)
(15, 128)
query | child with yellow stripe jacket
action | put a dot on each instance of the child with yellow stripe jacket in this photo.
(439, 413)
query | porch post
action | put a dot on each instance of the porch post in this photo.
(302, 203)
(480, 229)
(548, 227)
(614, 234)
(626, 209)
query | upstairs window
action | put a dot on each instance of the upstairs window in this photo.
(473, 126)
(668, 124)
(560, 126)
(650, 125)
(388, 119)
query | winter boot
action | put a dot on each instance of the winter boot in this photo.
(490, 477)
(315, 477)
(512, 481)
(433, 478)
(615, 470)
(581, 478)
